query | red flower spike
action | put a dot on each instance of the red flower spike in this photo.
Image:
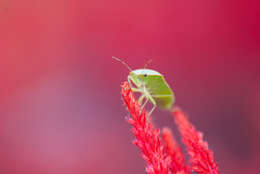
(176, 155)
(201, 158)
(147, 137)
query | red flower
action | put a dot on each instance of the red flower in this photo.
(168, 158)
(201, 158)
(147, 138)
(177, 158)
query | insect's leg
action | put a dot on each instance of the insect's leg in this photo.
(129, 79)
(149, 98)
(136, 90)
(146, 95)
(143, 105)
(140, 100)
(154, 105)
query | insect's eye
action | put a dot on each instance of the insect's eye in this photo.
(145, 75)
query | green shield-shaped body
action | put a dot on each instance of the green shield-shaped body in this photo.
(157, 87)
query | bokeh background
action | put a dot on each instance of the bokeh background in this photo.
(60, 105)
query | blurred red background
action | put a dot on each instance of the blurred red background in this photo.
(60, 105)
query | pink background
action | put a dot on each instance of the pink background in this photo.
(60, 105)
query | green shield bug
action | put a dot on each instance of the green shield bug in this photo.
(152, 86)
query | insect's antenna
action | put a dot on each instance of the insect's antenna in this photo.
(147, 63)
(119, 60)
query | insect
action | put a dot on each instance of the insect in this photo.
(152, 86)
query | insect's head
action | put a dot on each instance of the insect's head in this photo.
(143, 73)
